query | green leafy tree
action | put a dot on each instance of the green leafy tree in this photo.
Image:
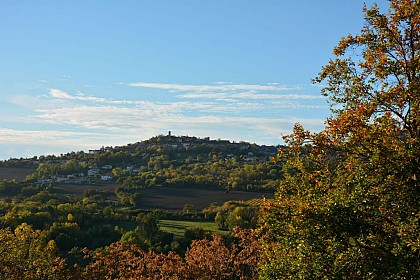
(220, 220)
(348, 205)
(243, 217)
(188, 208)
(149, 227)
(27, 254)
(66, 235)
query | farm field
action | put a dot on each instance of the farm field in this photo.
(175, 198)
(77, 190)
(10, 173)
(167, 198)
(178, 227)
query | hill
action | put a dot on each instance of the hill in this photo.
(166, 162)
(158, 193)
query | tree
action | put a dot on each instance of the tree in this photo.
(27, 254)
(220, 220)
(205, 259)
(188, 207)
(66, 235)
(216, 259)
(348, 207)
(243, 217)
(149, 227)
(118, 261)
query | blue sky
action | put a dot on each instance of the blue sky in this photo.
(78, 75)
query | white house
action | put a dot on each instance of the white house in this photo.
(93, 172)
(106, 178)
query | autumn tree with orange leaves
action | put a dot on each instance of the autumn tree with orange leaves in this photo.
(215, 258)
(348, 206)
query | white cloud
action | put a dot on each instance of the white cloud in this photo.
(28, 143)
(58, 94)
(206, 95)
(223, 110)
(212, 88)
(248, 95)
(30, 136)
(61, 95)
(111, 126)
(232, 105)
(132, 116)
(253, 95)
(151, 119)
(55, 93)
(228, 92)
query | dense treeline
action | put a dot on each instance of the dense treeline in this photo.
(229, 175)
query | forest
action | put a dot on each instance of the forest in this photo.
(345, 202)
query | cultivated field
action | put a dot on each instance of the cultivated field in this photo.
(10, 173)
(167, 198)
(178, 227)
(174, 198)
(78, 189)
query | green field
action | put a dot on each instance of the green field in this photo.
(178, 227)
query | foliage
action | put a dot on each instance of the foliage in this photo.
(214, 258)
(68, 167)
(348, 205)
(234, 214)
(131, 262)
(26, 254)
(68, 223)
(10, 187)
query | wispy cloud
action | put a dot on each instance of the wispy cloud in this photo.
(30, 136)
(28, 143)
(112, 126)
(150, 119)
(254, 113)
(55, 93)
(58, 94)
(234, 109)
(248, 95)
(220, 103)
(229, 92)
(217, 87)
(154, 106)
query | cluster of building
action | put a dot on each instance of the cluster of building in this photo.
(93, 175)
